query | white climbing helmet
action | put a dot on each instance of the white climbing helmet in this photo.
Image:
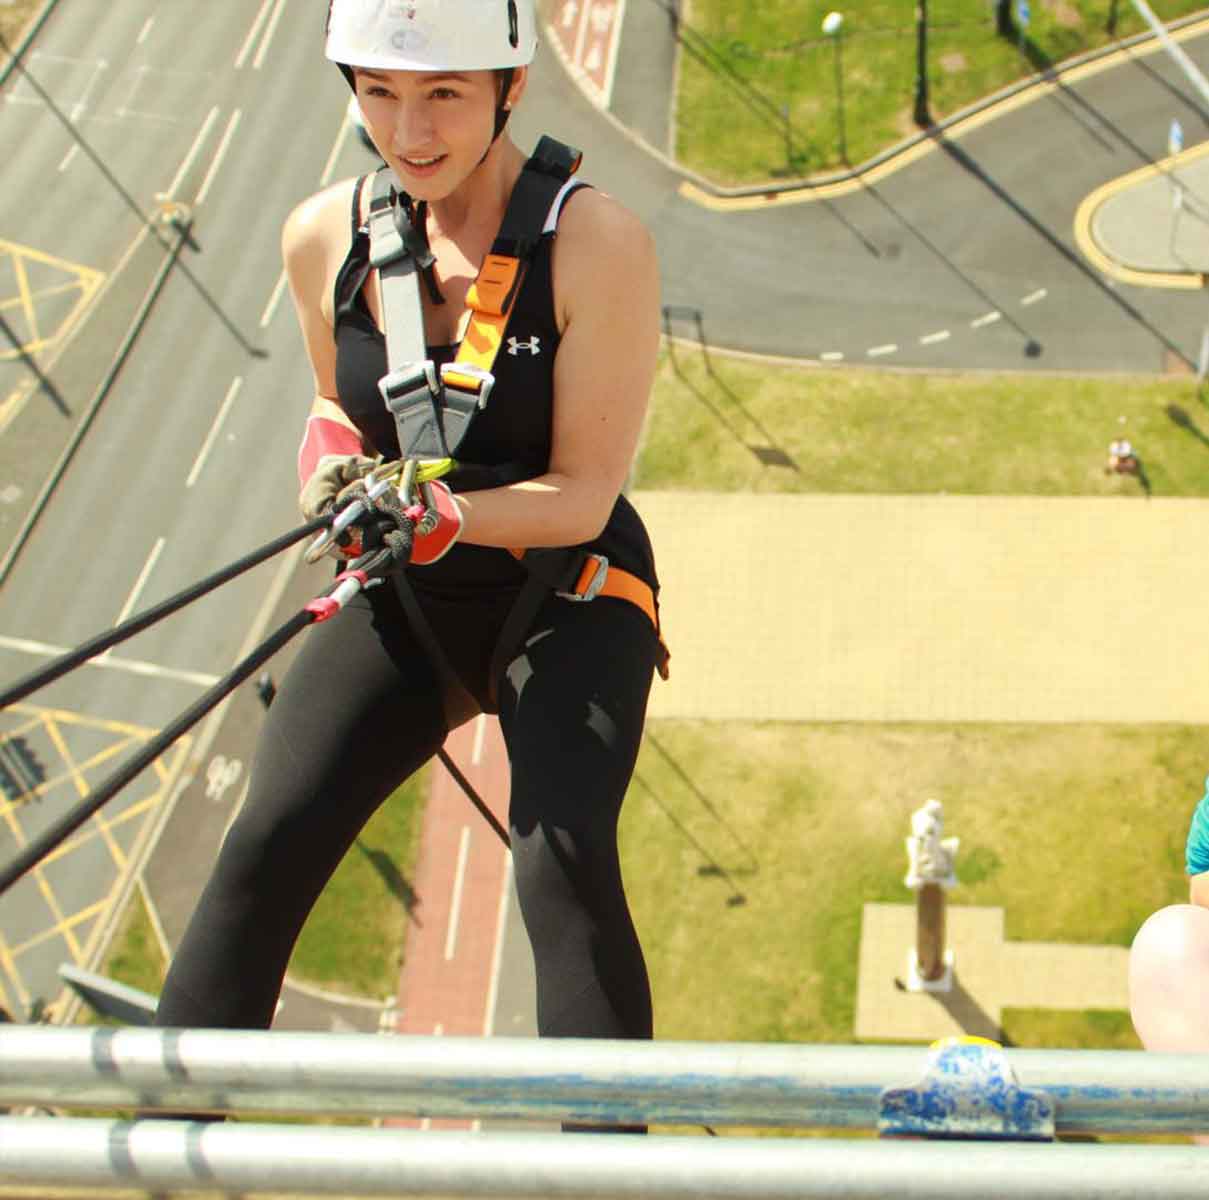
(431, 35)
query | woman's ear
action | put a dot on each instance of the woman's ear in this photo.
(516, 89)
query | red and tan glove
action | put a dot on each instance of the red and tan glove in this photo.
(330, 459)
(438, 523)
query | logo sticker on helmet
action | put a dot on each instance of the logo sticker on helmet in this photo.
(410, 41)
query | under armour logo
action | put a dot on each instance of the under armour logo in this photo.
(515, 347)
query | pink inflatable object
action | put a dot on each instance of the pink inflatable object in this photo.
(1169, 979)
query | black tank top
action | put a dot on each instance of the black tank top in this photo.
(514, 428)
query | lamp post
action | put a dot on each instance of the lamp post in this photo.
(922, 119)
(833, 25)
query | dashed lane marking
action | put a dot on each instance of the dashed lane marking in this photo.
(881, 351)
(1033, 297)
(986, 319)
(930, 339)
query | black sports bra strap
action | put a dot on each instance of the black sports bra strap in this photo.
(358, 187)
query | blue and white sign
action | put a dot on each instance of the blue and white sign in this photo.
(1023, 13)
(1175, 138)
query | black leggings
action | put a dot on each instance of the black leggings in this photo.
(358, 712)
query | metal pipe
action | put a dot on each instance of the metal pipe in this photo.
(609, 1082)
(176, 1155)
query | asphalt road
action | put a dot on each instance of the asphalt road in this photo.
(189, 461)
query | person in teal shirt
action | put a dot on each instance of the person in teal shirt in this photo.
(1196, 851)
(1169, 958)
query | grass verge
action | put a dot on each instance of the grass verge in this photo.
(352, 942)
(764, 95)
(730, 424)
(15, 15)
(749, 851)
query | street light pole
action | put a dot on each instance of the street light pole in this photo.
(922, 118)
(833, 28)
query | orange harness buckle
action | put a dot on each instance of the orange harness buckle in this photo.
(591, 579)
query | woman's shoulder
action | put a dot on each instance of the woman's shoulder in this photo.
(320, 221)
(591, 216)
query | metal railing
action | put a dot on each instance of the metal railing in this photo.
(591, 1082)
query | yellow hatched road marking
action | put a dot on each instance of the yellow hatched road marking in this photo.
(64, 929)
(82, 787)
(83, 279)
(14, 976)
(53, 781)
(26, 300)
(79, 840)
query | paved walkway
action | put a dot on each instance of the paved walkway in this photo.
(931, 608)
(989, 975)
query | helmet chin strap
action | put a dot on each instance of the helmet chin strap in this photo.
(503, 110)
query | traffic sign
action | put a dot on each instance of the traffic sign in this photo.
(1023, 12)
(1175, 138)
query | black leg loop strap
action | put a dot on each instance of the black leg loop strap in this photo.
(458, 703)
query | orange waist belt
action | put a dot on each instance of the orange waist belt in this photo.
(600, 578)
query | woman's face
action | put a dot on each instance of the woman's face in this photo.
(432, 128)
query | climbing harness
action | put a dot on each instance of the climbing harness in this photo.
(433, 411)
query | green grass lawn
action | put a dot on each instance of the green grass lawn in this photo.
(758, 98)
(353, 940)
(737, 425)
(749, 851)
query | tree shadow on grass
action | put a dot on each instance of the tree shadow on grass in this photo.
(767, 452)
(1181, 417)
(703, 799)
(711, 868)
(390, 875)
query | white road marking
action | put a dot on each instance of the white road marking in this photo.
(880, 351)
(330, 168)
(81, 105)
(1033, 297)
(497, 952)
(245, 50)
(258, 61)
(986, 319)
(132, 665)
(141, 581)
(208, 444)
(480, 733)
(75, 149)
(455, 905)
(614, 45)
(274, 300)
(142, 37)
(194, 150)
(219, 154)
(831, 356)
(930, 339)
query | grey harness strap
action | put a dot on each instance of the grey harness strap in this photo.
(411, 388)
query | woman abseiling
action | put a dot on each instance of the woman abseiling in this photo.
(541, 466)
